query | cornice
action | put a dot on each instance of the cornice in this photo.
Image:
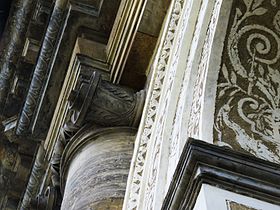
(65, 26)
(41, 70)
(201, 163)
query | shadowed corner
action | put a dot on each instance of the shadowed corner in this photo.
(4, 13)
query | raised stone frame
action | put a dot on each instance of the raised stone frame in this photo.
(203, 163)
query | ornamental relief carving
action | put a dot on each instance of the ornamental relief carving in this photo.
(98, 102)
(165, 112)
(160, 73)
(247, 114)
(197, 103)
(40, 71)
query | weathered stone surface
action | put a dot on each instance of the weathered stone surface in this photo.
(237, 206)
(4, 13)
(35, 179)
(56, 52)
(137, 65)
(41, 70)
(95, 168)
(203, 163)
(153, 17)
(12, 44)
(95, 101)
(9, 162)
(99, 101)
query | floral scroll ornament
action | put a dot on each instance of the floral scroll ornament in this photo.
(249, 89)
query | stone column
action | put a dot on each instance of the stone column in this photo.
(94, 168)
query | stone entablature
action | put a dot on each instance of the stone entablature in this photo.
(214, 77)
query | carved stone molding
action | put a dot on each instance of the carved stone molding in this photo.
(35, 179)
(201, 78)
(105, 104)
(69, 20)
(12, 44)
(99, 102)
(160, 71)
(201, 163)
(41, 69)
(123, 34)
(81, 67)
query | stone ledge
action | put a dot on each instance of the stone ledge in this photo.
(201, 163)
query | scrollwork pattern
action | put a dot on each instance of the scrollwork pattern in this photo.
(12, 44)
(248, 96)
(40, 71)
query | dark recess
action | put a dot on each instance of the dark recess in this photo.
(4, 13)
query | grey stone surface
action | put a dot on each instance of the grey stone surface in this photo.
(95, 168)
(12, 44)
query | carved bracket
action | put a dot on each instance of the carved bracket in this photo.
(103, 103)
(99, 102)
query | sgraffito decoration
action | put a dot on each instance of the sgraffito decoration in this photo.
(231, 205)
(247, 114)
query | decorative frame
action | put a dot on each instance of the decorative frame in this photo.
(201, 163)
